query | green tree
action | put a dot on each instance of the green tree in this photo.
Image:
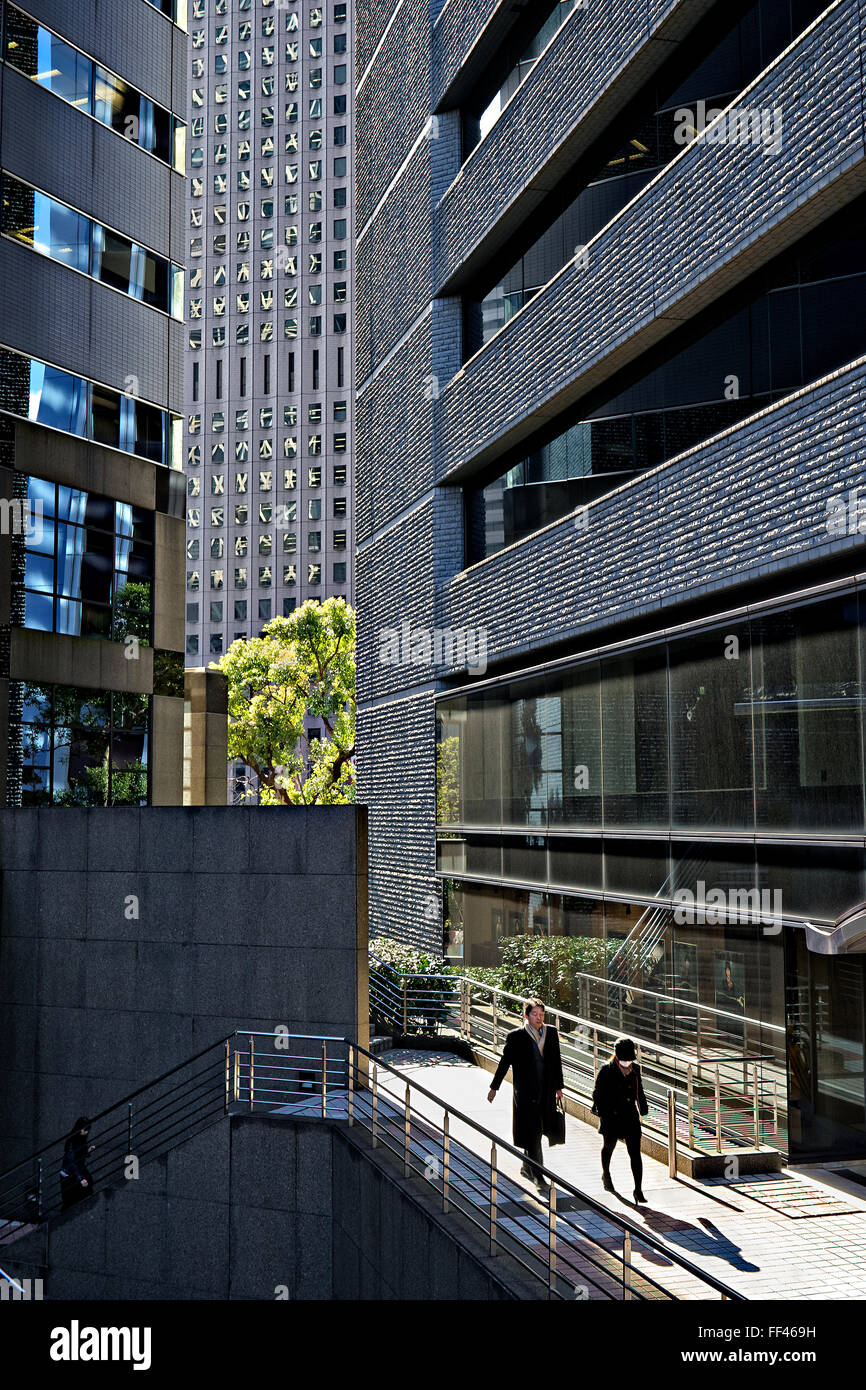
(302, 666)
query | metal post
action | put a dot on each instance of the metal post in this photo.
(551, 1237)
(594, 1050)
(129, 1127)
(237, 1075)
(446, 1159)
(626, 1261)
(405, 1007)
(691, 1105)
(407, 1122)
(698, 1033)
(351, 1097)
(252, 1069)
(672, 1134)
(324, 1080)
(757, 1106)
(775, 1106)
(374, 1130)
(493, 1198)
(495, 1021)
(228, 1072)
(718, 1113)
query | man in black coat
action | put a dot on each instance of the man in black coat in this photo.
(532, 1053)
(619, 1101)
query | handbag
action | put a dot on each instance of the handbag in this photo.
(556, 1134)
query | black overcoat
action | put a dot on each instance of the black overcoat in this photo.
(619, 1101)
(533, 1110)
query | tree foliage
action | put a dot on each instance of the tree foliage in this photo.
(302, 666)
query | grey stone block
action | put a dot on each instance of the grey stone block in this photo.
(165, 838)
(61, 838)
(198, 1245)
(264, 1161)
(221, 839)
(264, 1252)
(112, 838)
(315, 1170)
(278, 840)
(136, 1240)
(201, 1165)
(18, 837)
(314, 1269)
(62, 903)
(110, 899)
(20, 903)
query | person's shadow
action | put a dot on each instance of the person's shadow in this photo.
(679, 1232)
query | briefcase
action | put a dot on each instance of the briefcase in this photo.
(557, 1126)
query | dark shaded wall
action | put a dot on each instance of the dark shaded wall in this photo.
(130, 938)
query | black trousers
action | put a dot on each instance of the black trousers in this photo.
(71, 1190)
(534, 1156)
(632, 1143)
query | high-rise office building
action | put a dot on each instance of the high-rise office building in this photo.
(612, 274)
(92, 496)
(269, 370)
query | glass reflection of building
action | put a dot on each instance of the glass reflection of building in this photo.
(92, 498)
(721, 769)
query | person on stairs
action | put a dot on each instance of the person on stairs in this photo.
(619, 1101)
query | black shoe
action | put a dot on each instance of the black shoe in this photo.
(607, 1182)
(638, 1195)
(527, 1173)
(542, 1185)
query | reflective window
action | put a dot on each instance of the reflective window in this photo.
(48, 396)
(59, 67)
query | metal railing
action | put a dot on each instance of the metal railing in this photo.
(722, 1100)
(174, 1107)
(556, 1242)
(545, 1236)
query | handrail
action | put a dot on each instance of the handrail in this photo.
(270, 1082)
(583, 1022)
(683, 1003)
(639, 1232)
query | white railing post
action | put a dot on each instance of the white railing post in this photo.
(626, 1261)
(690, 1082)
(252, 1068)
(718, 1099)
(324, 1080)
(351, 1088)
(495, 1021)
(446, 1159)
(407, 1124)
(672, 1134)
(757, 1106)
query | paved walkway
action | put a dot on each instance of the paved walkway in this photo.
(804, 1238)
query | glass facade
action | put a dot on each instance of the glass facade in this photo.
(800, 319)
(58, 67)
(81, 747)
(59, 232)
(46, 395)
(87, 565)
(646, 829)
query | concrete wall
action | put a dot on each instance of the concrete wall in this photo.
(264, 1208)
(131, 938)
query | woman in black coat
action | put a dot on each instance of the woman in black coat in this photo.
(75, 1180)
(619, 1102)
(533, 1054)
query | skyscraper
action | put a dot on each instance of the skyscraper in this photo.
(92, 148)
(612, 269)
(269, 371)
